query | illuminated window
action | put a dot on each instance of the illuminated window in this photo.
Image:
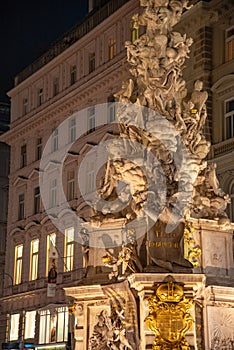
(23, 156)
(30, 323)
(73, 74)
(134, 34)
(45, 327)
(229, 119)
(71, 185)
(62, 324)
(21, 207)
(91, 119)
(72, 130)
(55, 86)
(90, 177)
(39, 148)
(25, 106)
(18, 264)
(91, 62)
(34, 259)
(230, 44)
(53, 193)
(51, 250)
(112, 48)
(37, 199)
(69, 248)
(53, 326)
(55, 140)
(14, 327)
(134, 31)
(40, 97)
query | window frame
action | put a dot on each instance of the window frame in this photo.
(69, 249)
(39, 148)
(55, 86)
(90, 184)
(21, 206)
(46, 321)
(23, 155)
(227, 115)
(40, 95)
(229, 41)
(72, 130)
(111, 109)
(112, 48)
(92, 62)
(91, 119)
(231, 204)
(73, 74)
(18, 264)
(34, 257)
(15, 327)
(30, 324)
(25, 106)
(53, 193)
(71, 185)
(50, 242)
(37, 200)
(55, 140)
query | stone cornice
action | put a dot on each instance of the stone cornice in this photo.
(104, 76)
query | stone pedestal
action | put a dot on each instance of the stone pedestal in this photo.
(194, 285)
(216, 242)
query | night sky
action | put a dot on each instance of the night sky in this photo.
(28, 28)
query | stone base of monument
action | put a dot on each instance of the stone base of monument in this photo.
(114, 304)
(115, 315)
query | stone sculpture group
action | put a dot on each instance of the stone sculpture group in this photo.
(160, 157)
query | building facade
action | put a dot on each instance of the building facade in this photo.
(72, 82)
(4, 172)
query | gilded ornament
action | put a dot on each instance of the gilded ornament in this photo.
(169, 316)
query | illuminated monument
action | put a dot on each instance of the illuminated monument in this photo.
(159, 235)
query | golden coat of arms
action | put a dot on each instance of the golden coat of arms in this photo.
(169, 316)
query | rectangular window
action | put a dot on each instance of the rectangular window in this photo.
(53, 193)
(34, 259)
(69, 248)
(62, 324)
(112, 48)
(21, 206)
(71, 185)
(229, 119)
(91, 62)
(91, 119)
(44, 328)
(90, 177)
(230, 44)
(55, 140)
(72, 130)
(30, 323)
(37, 199)
(25, 106)
(51, 251)
(134, 34)
(111, 109)
(55, 86)
(18, 264)
(53, 326)
(23, 156)
(39, 148)
(14, 327)
(40, 97)
(73, 74)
